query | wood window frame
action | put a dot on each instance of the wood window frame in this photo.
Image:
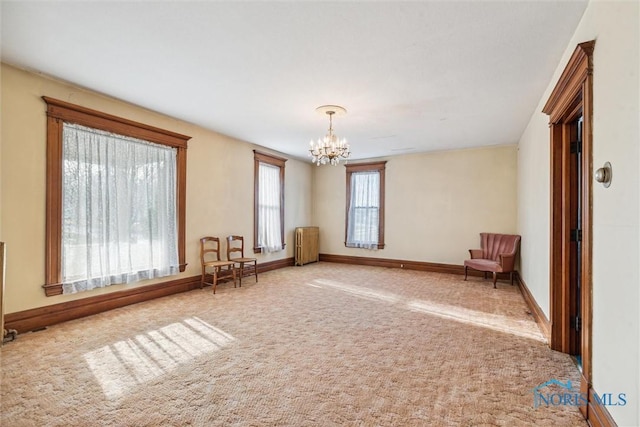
(366, 167)
(270, 159)
(60, 112)
(572, 96)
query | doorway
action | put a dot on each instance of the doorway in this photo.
(570, 120)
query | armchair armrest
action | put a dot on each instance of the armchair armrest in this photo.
(475, 253)
(507, 261)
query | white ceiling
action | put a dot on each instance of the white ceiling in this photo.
(414, 76)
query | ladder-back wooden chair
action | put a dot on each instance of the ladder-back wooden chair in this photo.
(235, 245)
(212, 265)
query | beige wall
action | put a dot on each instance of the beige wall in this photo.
(616, 238)
(436, 204)
(219, 184)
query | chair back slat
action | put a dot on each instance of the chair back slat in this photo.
(209, 246)
(235, 244)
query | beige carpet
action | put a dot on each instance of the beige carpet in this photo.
(319, 345)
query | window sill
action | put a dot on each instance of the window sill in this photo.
(380, 246)
(258, 250)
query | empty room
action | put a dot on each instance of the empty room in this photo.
(319, 213)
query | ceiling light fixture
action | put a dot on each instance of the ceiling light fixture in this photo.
(329, 149)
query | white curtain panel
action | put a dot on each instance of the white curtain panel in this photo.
(119, 209)
(269, 233)
(364, 210)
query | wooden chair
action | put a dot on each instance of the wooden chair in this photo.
(210, 259)
(249, 265)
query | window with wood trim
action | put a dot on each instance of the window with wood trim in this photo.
(364, 224)
(268, 219)
(84, 174)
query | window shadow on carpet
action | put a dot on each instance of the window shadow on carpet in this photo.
(121, 366)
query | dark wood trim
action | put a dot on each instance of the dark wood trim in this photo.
(587, 221)
(269, 158)
(181, 198)
(570, 82)
(274, 265)
(536, 311)
(571, 97)
(395, 263)
(260, 157)
(598, 415)
(37, 318)
(59, 112)
(405, 265)
(53, 221)
(28, 320)
(366, 167)
(72, 113)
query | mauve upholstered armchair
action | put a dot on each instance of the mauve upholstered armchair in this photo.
(497, 254)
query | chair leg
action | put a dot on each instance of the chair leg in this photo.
(202, 279)
(215, 279)
(233, 271)
(511, 277)
(241, 272)
(465, 272)
(255, 269)
(495, 277)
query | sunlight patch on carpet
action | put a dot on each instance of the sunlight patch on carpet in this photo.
(360, 291)
(496, 322)
(125, 364)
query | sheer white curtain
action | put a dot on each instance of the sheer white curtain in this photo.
(119, 209)
(269, 233)
(364, 210)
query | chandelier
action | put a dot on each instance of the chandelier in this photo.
(329, 149)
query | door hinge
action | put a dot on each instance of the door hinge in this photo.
(576, 235)
(578, 322)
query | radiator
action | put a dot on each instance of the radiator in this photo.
(307, 245)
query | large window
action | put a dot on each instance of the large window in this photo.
(268, 203)
(115, 200)
(365, 206)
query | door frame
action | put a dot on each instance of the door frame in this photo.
(572, 94)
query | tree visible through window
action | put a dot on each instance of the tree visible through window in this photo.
(365, 205)
(268, 203)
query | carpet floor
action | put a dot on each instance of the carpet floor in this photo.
(320, 345)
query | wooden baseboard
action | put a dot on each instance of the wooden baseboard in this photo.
(41, 317)
(598, 414)
(395, 263)
(405, 264)
(536, 311)
(274, 265)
